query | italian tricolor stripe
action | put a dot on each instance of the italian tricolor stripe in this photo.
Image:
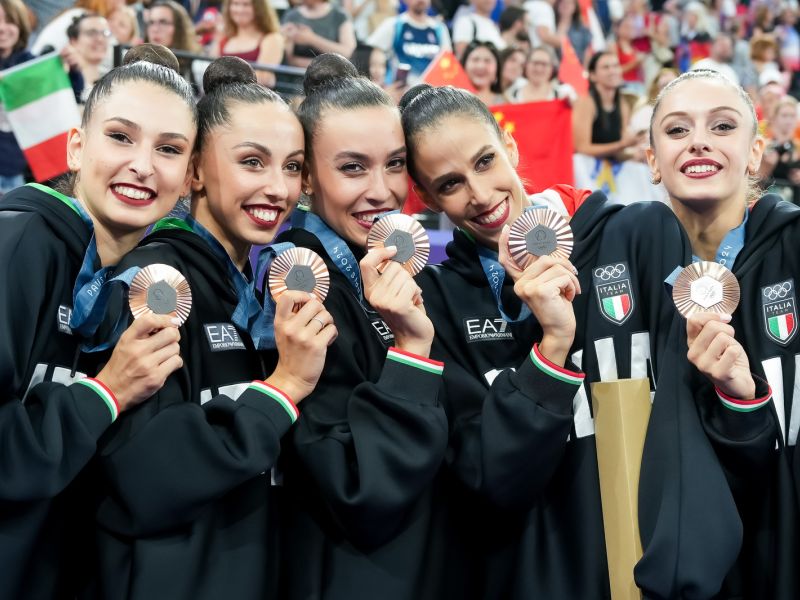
(554, 370)
(781, 326)
(412, 360)
(744, 405)
(278, 396)
(104, 393)
(617, 307)
(41, 109)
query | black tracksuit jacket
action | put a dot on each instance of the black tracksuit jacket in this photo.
(718, 489)
(360, 466)
(188, 510)
(48, 428)
(521, 438)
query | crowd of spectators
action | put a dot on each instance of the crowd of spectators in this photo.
(510, 50)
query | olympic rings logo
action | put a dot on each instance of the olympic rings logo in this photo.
(779, 290)
(609, 272)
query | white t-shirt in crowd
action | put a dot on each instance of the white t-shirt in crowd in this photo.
(712, 65)
(540, 14)
(470, 27)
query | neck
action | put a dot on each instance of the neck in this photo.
(417, 15)
(247, 30)
(112, 245)
(707, 225)
(481, 12)
(237, 250)
(606, 94)
(5, 53)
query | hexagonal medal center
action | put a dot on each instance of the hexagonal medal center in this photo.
(706, 291)
(301, 278)
(540, 241)
(404, 243)
(162, 298)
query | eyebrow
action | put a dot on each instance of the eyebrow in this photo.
(712, 111)
(255, 146)
(480, 152)
(132, 125)
(436, 182)
(364, 157)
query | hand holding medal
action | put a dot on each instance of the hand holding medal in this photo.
(299, 269)
(705, 287)
(539, 232)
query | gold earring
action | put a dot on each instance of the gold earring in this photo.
(752, 172)
(655, 179)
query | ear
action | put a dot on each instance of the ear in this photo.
(194, 174)
(756, 153)
(426, 198)
(75, 143)
(511, 148)
(307, 180)
(655, 173)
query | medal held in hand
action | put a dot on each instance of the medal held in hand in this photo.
(299, 269)
(161, 290)
(407, 235)
(539, 232)
(705, 287)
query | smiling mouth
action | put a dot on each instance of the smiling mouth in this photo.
(696, 169)
(264, 216)
(493, 217)
(368, 217)
(133, 195)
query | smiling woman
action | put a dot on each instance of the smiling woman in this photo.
(368, 448)
(131, 164)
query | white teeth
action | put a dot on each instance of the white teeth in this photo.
(492, 216)
(702, 168)
(368, 218)
(133, 193)
(269, 214)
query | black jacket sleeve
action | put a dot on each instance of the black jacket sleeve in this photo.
(373, 434)
(52, 435)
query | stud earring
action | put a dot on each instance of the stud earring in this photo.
(655, 179)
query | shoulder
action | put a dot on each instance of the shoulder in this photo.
(161, 248)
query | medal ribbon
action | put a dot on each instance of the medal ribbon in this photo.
(728, 250)
(336, 248)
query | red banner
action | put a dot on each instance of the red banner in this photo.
(446, 70)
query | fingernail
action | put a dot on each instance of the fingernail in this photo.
(175, 321)
(725, 318)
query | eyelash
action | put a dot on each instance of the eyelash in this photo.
(677, 130)
(294, 167)
(485, 161)
(252, 162)
(123, 138)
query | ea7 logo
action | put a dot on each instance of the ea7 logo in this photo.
(614, 295)
(486, 329)
(62, 319)
(222, 337)
(780, 311)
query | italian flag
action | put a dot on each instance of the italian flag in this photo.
(781, 326)
(617, 307)
(40, 105)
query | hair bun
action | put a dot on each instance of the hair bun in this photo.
(325, 69)
(152, 53)
(226, 70)
(413, 93)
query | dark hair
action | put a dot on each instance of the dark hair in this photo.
(423, 107)
(509, 16)
(17, 14)
(474, 45)
(74, 28)
(150, 63)
(228, 79)
(333, 83)
(183, 36)
(592, 66)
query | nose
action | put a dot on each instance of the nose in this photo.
(142, 163)
(379, 190)
(699, 141)
(276, 188)
(481, 192)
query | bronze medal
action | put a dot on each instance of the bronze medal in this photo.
(161, 290)
(705, 287)
(299, 269)
(407, 235)
(539, 232)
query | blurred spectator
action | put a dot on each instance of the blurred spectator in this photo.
(169, 24)
(512, 68)
(780, 166)
(252, 32)
(764, 54)
(371, 63)
(542, 19)
(770, 92)
(630, 59)
(208, 21)
(54, 33)
(720, 58)
(695, 40)
(89, 40)
(368, 15)
(481, 62)
(513, 25)
(124, 26)
(14, 34)
(748, 78)
(541, 83)
(600, 120)
(570, 19)
(763, 20)
(412, 38)
(315, 27)
(476, 25)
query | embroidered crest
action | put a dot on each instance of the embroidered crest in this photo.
(780, 311)
(614, 296)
